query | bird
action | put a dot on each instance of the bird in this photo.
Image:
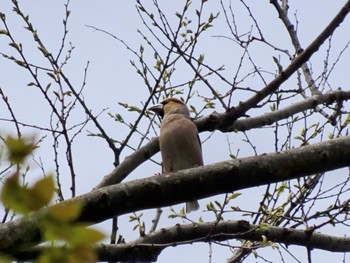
(179, 142)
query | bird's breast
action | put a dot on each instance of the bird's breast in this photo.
(179, 144)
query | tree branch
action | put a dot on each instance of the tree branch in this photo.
(227, 121)
(184, 185)
(132, 161)
(272, 117)
(241, 229)
(304, 56)
(150, 246)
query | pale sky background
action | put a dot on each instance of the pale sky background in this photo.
(111, 79)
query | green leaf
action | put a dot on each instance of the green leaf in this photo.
(132, 218)
(299, 138)
(134, 108)
(81, 235)
(200, 59)
(233, 196)
(210, 105)
(32, 84)
(53, 76)
(44, 51)
(178, 15)
(182, 212)
(74, 234)
(42, 191)
(125, 105)
(18, 148)
(193, 109)
(10, 194)
(236, 208)
(347, 121)
(119, 117)
(218, 204)
(279, 66)
(210, 206)
(264, 240)
(66, 212)
(15, 45)
(47, 87)
(281, 189)
(5, 259)
(23, 199)
(54, 254)
(67, 93)
(21, 63)
(55, 230)
(82, 253)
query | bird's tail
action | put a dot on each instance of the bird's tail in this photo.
(192, 206)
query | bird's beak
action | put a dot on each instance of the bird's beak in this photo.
(158, 109)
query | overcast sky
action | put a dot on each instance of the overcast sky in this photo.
(112, 79)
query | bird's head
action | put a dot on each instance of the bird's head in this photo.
(171, 106)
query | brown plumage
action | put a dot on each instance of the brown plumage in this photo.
(179, 142)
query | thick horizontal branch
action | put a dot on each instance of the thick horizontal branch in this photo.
(148, 248)
(209, 180)
(242, 229)
(225, 122)
(200, 182)
(131, 162)
(284, 113)
(106, 253)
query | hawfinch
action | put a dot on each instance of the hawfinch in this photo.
(179, 143)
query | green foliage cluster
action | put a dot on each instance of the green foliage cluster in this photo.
(68, 241)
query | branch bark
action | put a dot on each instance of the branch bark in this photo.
(148, 248)
(284, 113)
(134, 160)
(181, 186)
(225, 122)
(241, 229)
(130, 163)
